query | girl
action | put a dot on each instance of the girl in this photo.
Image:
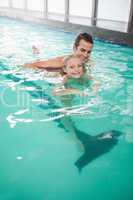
(75, 77)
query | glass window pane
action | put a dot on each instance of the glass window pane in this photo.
(114, 10)
(36, 5)
(81, 7)
(4, 3)
(18, 4)
(56, 6)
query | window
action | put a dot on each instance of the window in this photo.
(114, 10)
(56, 9)
(80, 11)
(4, 3)
(36, 5)
(113, 14)
(56, 6)
(81, 8)
(18, 4)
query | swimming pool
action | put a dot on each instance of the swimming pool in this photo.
(40, 157)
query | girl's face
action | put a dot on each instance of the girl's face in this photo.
(74, 68)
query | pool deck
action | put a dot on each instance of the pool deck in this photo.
(117, 37)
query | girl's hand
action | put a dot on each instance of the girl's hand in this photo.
(95, 87)
(68, 91)
(83, 93)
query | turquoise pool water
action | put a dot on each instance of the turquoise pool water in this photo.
(40, 139)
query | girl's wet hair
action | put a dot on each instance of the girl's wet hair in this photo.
(71, 57)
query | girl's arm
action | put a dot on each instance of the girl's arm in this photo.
(67, 91)
(95, 86)
(95, 83)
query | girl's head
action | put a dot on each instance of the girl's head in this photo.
(74, 67)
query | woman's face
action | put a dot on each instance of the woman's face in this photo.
(83, 49)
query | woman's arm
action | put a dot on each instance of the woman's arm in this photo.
(51, 63)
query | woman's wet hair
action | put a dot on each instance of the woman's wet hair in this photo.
(83, 36)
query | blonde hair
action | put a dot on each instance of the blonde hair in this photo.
(71, 57)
